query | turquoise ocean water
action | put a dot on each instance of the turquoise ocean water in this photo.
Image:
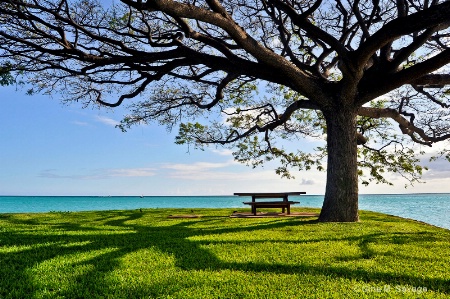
(430, 208)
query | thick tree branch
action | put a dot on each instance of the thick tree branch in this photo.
(301, 21)
(432, 80)
(438, 15)
(420, 73)
(300, 78)
(407, 127)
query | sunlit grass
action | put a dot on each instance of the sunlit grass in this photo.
(134, 254)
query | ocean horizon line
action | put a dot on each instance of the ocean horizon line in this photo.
(207, 195)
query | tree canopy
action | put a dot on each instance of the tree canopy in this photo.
(371, 77)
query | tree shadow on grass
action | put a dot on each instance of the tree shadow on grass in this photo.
(94, 253)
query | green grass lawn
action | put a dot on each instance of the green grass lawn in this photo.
(134, 254)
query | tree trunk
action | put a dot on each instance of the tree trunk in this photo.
(341, 194)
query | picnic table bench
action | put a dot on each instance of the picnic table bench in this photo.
(284, 204)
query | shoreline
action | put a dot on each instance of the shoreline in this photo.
(429, 208)
(314, 212)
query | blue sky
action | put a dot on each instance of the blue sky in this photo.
(51, 149)
(48, 148)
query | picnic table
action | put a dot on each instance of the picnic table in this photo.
(284, 204)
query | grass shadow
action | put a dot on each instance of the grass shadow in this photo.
(99, 248)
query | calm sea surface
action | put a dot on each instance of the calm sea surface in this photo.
(430, 208)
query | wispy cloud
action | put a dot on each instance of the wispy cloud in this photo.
(100, 119)
(79, 123)
(307, 182)
(197, 171)
(132, 172)
(223, 152)
(437, 175)
(207, 171)
(439, 169)
(198, 166)
(106, 120)
(100, 174)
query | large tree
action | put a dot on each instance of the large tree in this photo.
(347, 71)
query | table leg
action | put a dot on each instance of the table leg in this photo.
(253, 206)
(285, 199)
(289, 209)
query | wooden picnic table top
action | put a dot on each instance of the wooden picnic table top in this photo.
(268, 194)
(262, 203)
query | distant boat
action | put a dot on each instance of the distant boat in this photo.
(142, 196)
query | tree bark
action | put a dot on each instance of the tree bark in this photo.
(341, 194)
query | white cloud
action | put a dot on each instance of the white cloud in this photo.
(436, 175)
(223, 152)
(438, 169)
(107, 121)
(198, 166)
(307, 182)
(227, 171)
(131, 172)
(100, 174)
(79, 123)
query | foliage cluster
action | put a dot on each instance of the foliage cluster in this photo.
(5, 76)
